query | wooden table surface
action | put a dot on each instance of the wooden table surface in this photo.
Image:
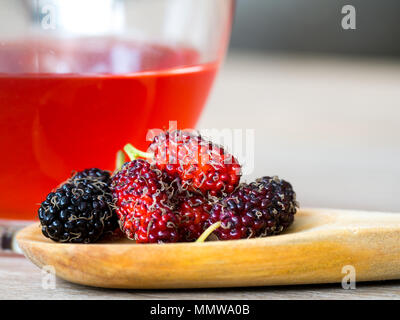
(20, 279)
(330, 126)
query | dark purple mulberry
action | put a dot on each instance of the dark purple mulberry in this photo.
(262, 208)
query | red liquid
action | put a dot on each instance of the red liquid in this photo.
(51, 124)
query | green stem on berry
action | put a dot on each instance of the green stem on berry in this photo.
(208, 231)
(120, 160)
(134, 153)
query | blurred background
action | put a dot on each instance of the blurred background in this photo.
(324, 101)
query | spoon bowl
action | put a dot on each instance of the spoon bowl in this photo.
(318, 248)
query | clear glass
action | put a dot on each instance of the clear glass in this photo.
(81, 78)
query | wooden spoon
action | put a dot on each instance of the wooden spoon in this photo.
(314, 250)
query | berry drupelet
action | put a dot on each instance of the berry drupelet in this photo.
(80, 210)
(143, 203)
(262, 208)
(199, 164)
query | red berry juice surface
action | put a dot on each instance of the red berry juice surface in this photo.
(74, 105)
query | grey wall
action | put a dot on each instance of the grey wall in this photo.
(315, 26)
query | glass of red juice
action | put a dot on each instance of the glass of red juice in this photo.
(80, 79)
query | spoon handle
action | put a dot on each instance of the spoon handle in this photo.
(8, 230)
